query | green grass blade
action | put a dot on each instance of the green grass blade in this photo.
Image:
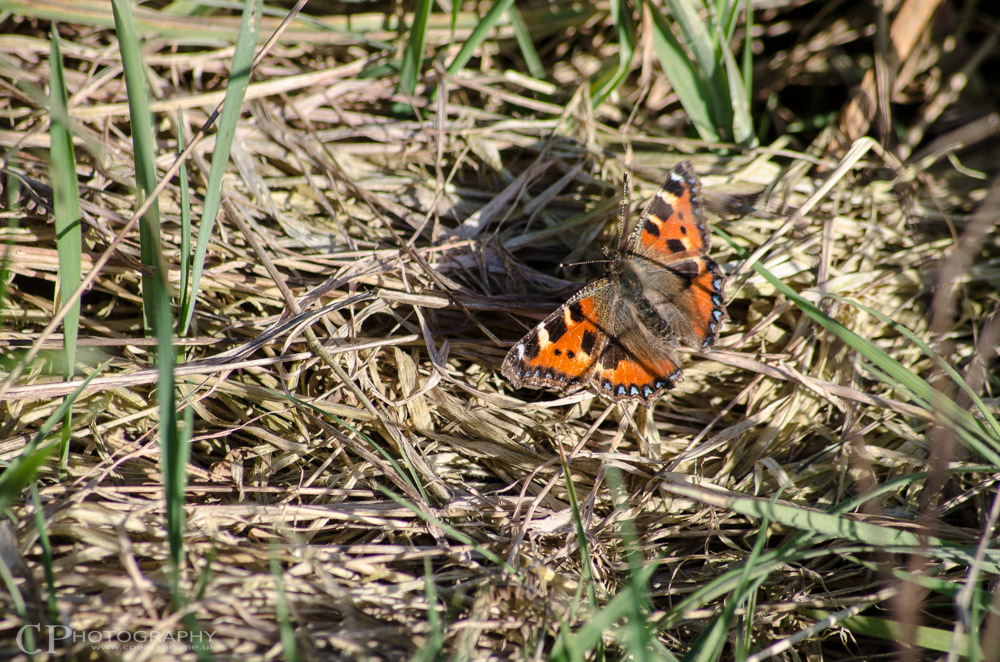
(710, 644)
(968, 429)
(697, 34)
(413, 55)
(66, 206)
(737, 78)
(725, 14)
(608, 80)
(703, 41)
(156, 293)
(433, 647)
(12, 189)
(174, 443)
(587, 568)
(43, 542)
(239, 79)
(834, 526)
(290, 650)
(686, 80)
(708, 82)
(575, 646)
(20, 607)
(408, 475)
(66, 202)
(456, 9)
(748, 49)
(934, 639)
(640, 640)
(984, 410)
(740, 118)
(19, 473)
(942, 586)
(479, 35)
(789, 552)
(523, 35)
(184, 284)
(144, 147)
(447, 528)
(173, 448)
(16, 476)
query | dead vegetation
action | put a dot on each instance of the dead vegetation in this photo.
(420, 506)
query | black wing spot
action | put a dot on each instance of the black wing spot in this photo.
(587, 342)
(531, 347)
(613, 356)
(665, 212)
(684, 229)
(687, 269)
(556, 328)
(676, 245)
(651, 228)
(675, 186)
(576, 313)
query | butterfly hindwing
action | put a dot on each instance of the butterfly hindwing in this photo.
(707, 307)
(624, 375)
(685, 298)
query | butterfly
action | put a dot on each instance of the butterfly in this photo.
(617, 335)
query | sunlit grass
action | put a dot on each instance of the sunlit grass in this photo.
(367, 464)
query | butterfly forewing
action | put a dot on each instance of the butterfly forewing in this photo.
(674, 220)
(563, 350)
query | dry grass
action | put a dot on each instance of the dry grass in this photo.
(423, 464)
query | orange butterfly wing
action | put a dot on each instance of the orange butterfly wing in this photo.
(563, 350)
(673, 230)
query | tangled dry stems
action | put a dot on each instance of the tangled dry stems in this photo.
(455, 225)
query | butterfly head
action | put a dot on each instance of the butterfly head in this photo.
(614, 257)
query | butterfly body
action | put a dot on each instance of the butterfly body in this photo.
(618, 334)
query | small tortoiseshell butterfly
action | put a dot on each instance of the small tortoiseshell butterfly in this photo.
(618, 334)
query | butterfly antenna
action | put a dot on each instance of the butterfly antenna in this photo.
(623, 213)
(563, 265)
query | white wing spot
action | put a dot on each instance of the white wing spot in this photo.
(543, 336)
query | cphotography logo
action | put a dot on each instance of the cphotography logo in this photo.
(34, 639)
